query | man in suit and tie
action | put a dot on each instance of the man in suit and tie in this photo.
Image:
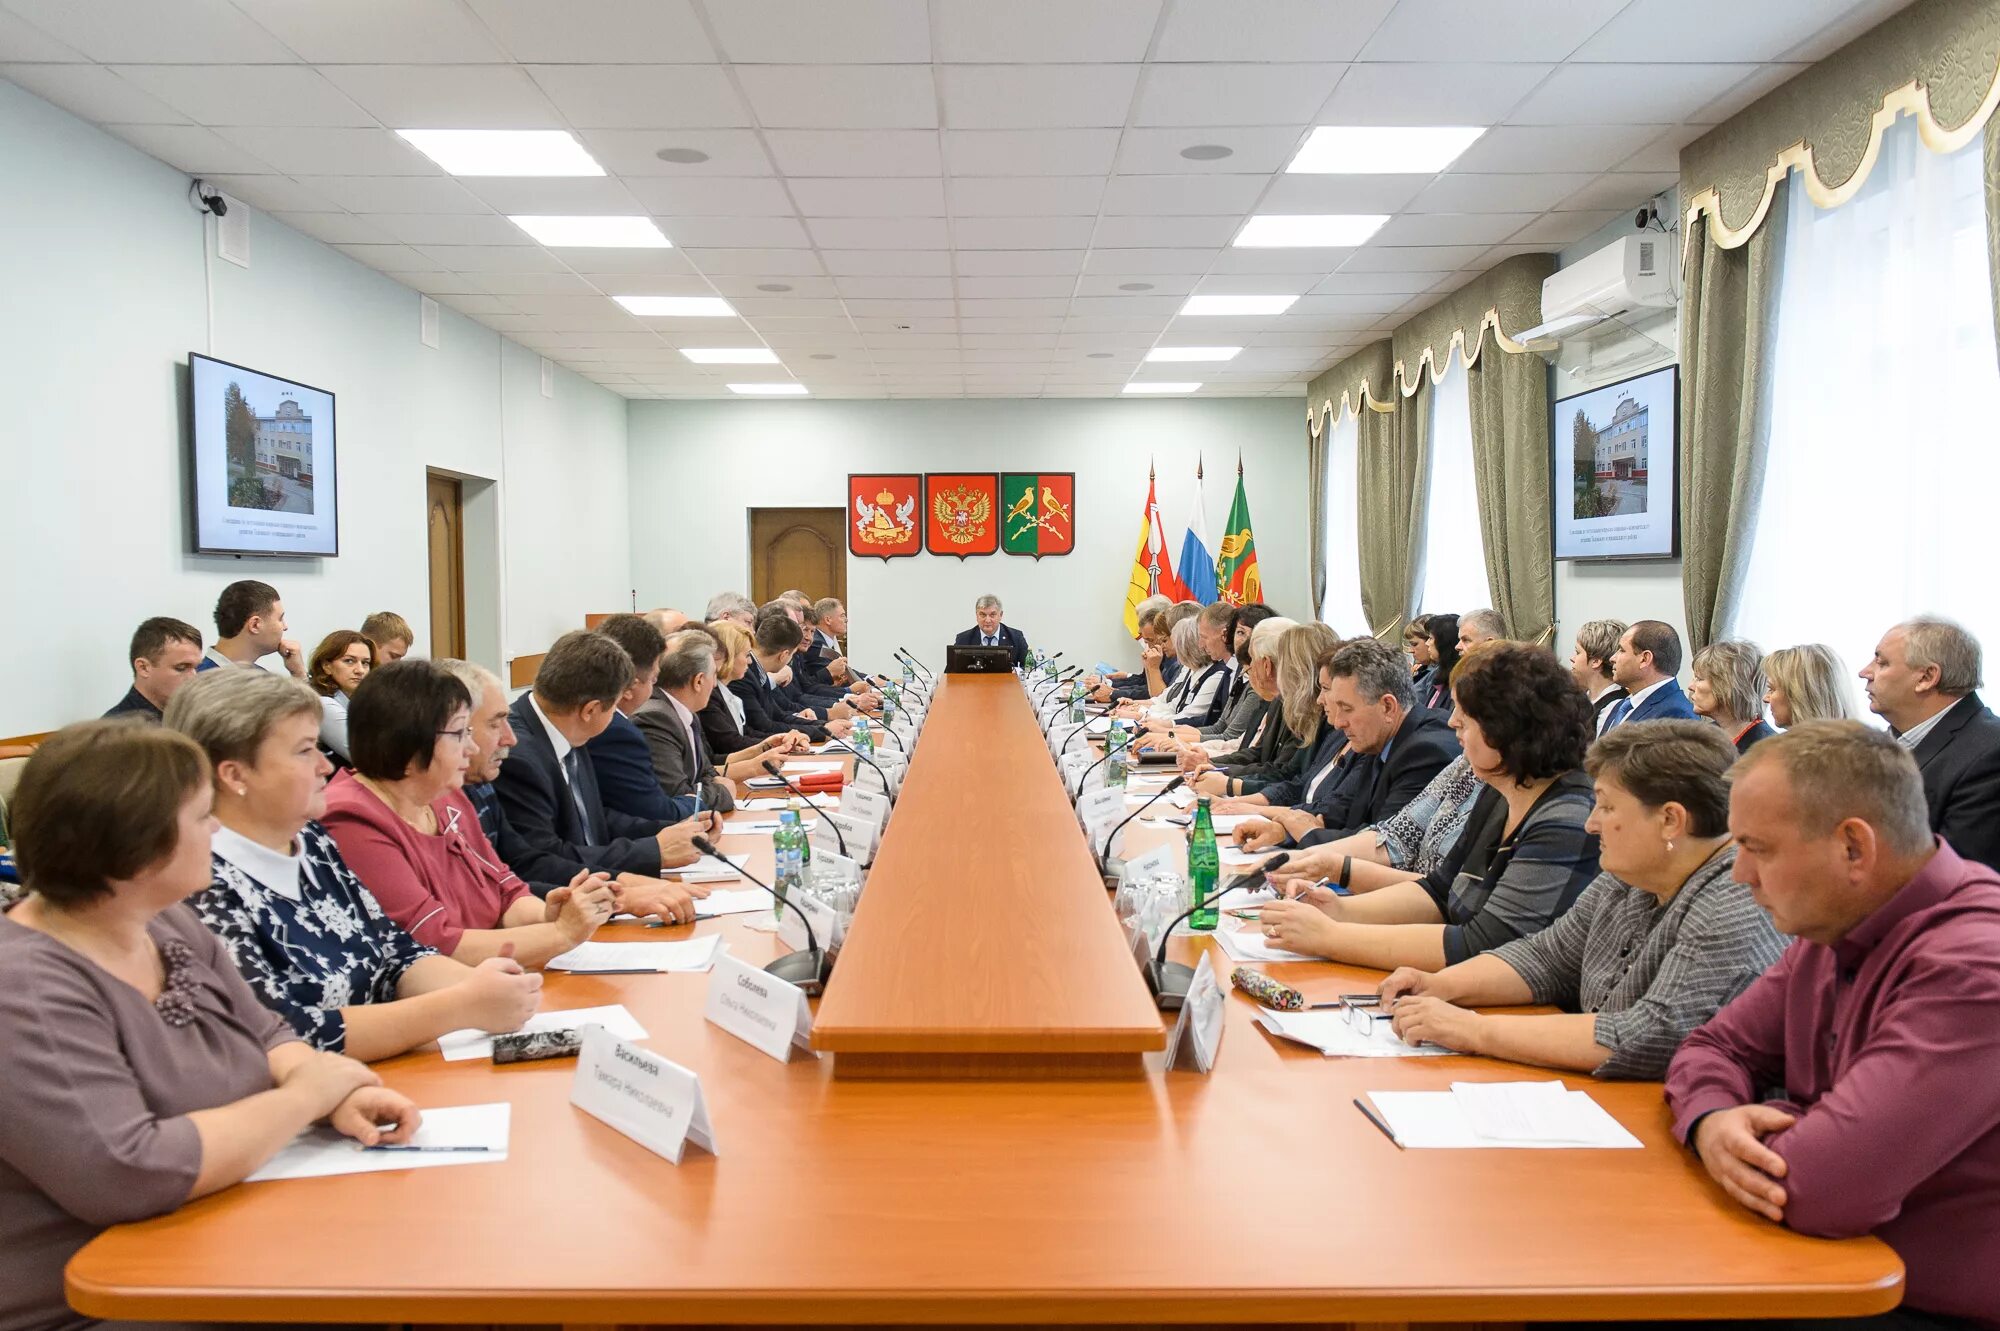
(769, 707)
(1921, 680)
(990, 632)
(670, 722)
(1647, 659)
(618, 755)
(548, 790)
(1590, 666)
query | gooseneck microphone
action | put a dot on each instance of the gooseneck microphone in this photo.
(1055, 685)
(914, 663)
(887, 789)
(807, 969)
(1168, 789)
(1078, 792)
(1170, 980)
(774, 770)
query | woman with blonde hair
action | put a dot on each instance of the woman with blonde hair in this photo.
(1728, 689)
(1297, 658)
(1807, 683)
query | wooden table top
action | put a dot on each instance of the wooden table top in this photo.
(1256, 1194)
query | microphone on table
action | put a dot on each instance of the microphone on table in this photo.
(1170, 980)
(1078, 792)
(776, 771)
(1105, 854)
(913, 663)
(887, 789)
(1055, 685)
(805, 969)
(1074, 732)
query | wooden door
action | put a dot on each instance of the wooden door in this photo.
(447, 564)
(804, 548)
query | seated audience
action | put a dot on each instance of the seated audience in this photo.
(768, 710)
(249, 626)
(1807, 683)
(668, 622)
(310, 939)
(828, 701)
(829, 627)
(1652, 948)
(1922, 681)
(734, 606)
(141, 1071)
(1647, 659)
(1212, 630)
(1393, 750)
(1441, 631)
(723, 719)
(549, 792)
(402, 823)
(390, 633)
(1423, 661)
(989, 631)
(1727, 688)
(338, 665)
(1590, 665)
(1293, 728)
(671, 722)
(488, 742)
(1102, 687)
(1478, 627)
(1853, 1088)
(1525, 854)
(1242, 706)
(1190, 698)
(165, 654)
(1401, 848)
(1317, 766)
(618, 754)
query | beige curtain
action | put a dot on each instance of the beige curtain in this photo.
(1392, 490)
(1316, 452)
(1727, 325)
(1992, 149)
(1510, 458)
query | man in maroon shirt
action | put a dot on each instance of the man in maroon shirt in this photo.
(1854, 1088)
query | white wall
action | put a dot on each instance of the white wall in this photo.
(101, 266)
(1627, 590)
(698, 467)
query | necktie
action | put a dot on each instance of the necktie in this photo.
(990, 642)
(573, 769)
(1619, 711)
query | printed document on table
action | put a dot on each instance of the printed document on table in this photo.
(1330, 1032)
(706, 870)
(319, 1152)
(732, 901)
(693, 954)
(773, 805)
(458, 1046)
(1235, 857)
(1502, 1115)
(1251, 945)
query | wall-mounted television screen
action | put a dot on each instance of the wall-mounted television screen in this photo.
(261, 463)
(1615, 449)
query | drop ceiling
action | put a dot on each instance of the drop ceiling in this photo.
(925, 198)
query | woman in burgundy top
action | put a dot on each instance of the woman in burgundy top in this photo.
(141, 1071)
(403, 824)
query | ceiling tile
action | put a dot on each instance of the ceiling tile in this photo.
(1026, 196)
(396, 194)
(447, 96)
(1036, 96)
(452, 229)
(761, 263)
(556, 196)
(1020, 308)
(1843, 29)
(843, 152)
(1316, 261)
(471, 302)
(337, 229)
(745, 285)
(1462, 192)
(1165, 232)
(879, 233)
(1618, 190)
(1762, 80)
(840, 96)
(331, 152)
(1217, 94)
(685, 283)
(270, 193)
(21, 40)
(1663, 155)
(796, 31)
(1413, 258)
(1017, 263)
(93, 92)
(1022, 233)
(1253, 151)
(1431, 93)
(1476, 30)
(776, 233)
(911, 196)
(1284, 30)
(1450, 228)
(1550, 148)
(607, 31)
(145, 30)
(389, 258)
(888, 263)
(1350, 303)
(1563, 228)
(1114, 284)
(900, 311)
(1697, 30)
(1192, 195)
(1251, 284)
(618, 262)
(1045, 152)
(1016, 288)
(377, 31)
(1342, 194)
(1192, 261)
(895, 288)
(639, 96)
(633, 152)
(1627, 94)
(727, 196)
(247, 94)
(1043, 31)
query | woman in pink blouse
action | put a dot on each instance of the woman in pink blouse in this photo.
(404, 826)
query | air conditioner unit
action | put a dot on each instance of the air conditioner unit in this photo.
(1626, 276)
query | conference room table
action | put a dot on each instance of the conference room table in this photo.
(1256, 1194)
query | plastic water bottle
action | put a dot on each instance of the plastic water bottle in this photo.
(1204, 864)
(1076, 697)
(909, 674)
(790, 858)
(889, 706)
(864, 738)
(1114, 766)
(798, 813)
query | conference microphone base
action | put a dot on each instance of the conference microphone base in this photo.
(808, 970)
(1170, 982)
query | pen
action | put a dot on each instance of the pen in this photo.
(434, 1150)
(1370, 1115)
(622, 970)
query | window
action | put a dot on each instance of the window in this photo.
(1451, 576)
(1881, 472)
(1341, 607)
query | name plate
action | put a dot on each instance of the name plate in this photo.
(653, 1100)
(1160, 859)
(1096, 830)
(871, 805)
(792, 929)
(859, 832)
(758, 1008)
(1108, 802)
(1198, 1033)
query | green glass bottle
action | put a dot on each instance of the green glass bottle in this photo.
(1204, 864)
(1115, 766)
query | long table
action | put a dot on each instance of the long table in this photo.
(1254, 1195)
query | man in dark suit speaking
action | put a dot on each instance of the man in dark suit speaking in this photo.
(992, 633)
(1921, 680)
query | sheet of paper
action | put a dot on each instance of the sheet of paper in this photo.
(1544, 1113)
(1098, 726)
(805, 766)
(1329, 1031)
(732, 901)
(765, 783)
(1437, 1119)
(1235, 857)
(769, 804)
(692, 954)
(319, 1152)
(765, 826)
(1251, 945)
(706, 870)
(458, 1046)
